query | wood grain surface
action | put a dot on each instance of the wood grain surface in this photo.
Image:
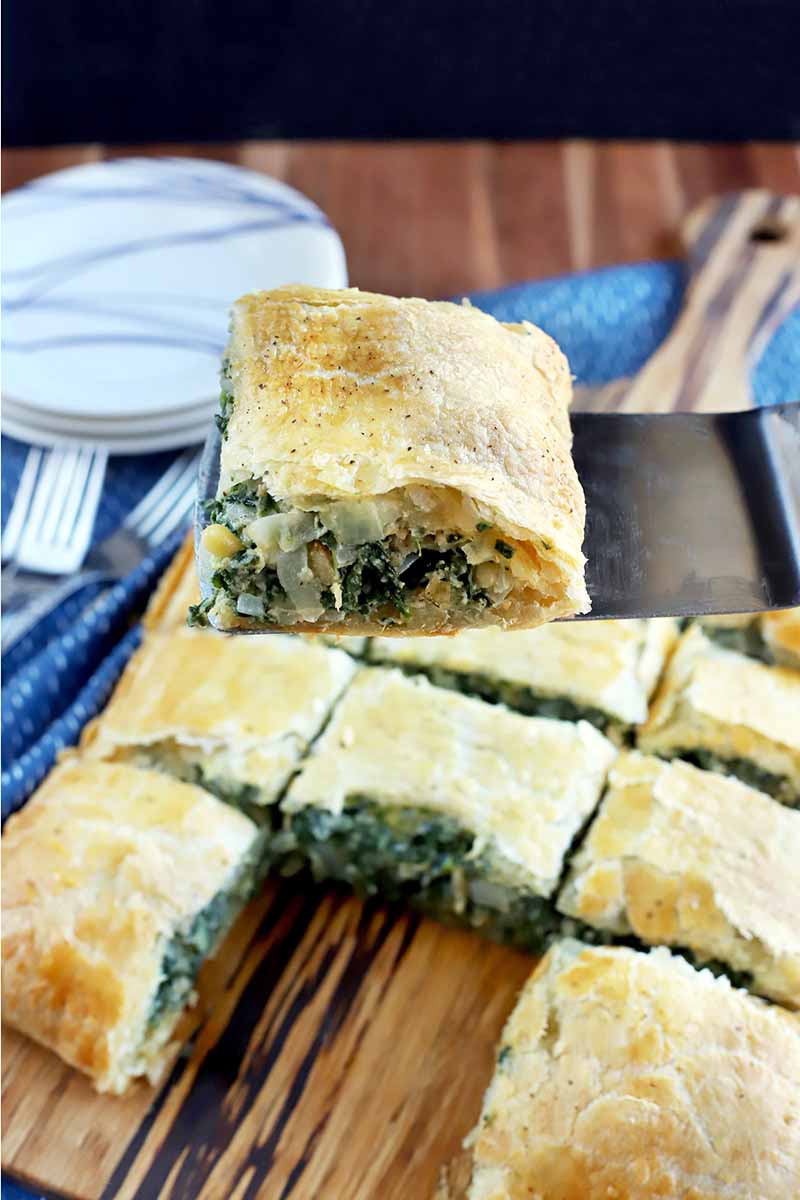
(340, 1050)
(433, 219)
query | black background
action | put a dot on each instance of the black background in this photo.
(202, 70)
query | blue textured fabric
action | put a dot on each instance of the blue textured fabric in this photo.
(61, 674)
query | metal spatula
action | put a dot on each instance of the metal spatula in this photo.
(691, 511)
(690, 514)
(698, 512)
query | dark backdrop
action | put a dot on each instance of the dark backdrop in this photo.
(195, 70)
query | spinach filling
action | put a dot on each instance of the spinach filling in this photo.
(424, 859)
(371, 581)
(375, 577)
(514, 695)
(225, 401)
(776, 786)
(745, 639)
(187, 949)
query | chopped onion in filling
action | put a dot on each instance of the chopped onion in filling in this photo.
(353, 522)
(300, 584)
(249, 605)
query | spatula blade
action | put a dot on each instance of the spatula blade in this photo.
(690, 514)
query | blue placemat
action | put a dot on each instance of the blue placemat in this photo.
(608, 322)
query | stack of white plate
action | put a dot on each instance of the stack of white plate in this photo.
(117, 281)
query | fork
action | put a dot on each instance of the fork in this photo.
(51, 521)
(27, 596)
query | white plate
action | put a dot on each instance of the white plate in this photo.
(118, 277)
(143, 443)
(79, 427)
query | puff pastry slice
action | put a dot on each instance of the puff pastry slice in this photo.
(389, 465)
(117, 884)
(727, 712)
(622, 1074)
(686, 858)
(232, 714)
(461, 808)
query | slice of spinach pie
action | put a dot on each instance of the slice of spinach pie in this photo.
(599, 671)
(117, 884)
(631, 1075)
(462, 808)
(726, 712)
(687, 858)
(390, 465)
(232, 714)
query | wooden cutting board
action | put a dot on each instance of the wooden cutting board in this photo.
(339, 1050)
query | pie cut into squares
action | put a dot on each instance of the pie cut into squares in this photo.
(117, 884)
(234, 715)
(727, 712)
(456, 806)
(699, 861)
(631, 1075)
(390, 466)
(599, 671)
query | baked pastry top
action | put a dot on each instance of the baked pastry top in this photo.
(391, 465)
(729, 712)
(116, 883)
(604, 671)
(687, 858)
(234, 714)
(633, 1075)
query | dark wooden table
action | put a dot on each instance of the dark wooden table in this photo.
(437, 218)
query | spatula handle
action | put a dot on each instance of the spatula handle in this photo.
(743, 258)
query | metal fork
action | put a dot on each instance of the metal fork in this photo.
(27, 596)
(51, 521)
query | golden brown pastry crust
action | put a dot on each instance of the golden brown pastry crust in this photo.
(348, 394)
(245, 709)
(735, 707)
(634, 1076)
(100, 867)
(177, 589)
(684, 857)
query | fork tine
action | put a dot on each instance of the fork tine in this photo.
(69, 476)
(182, 507)
(82, 529)
(73, 498)
(22, 502)
(42, 498)
(164, 508)
(139, 514)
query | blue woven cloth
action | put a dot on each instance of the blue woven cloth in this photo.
(61, 674)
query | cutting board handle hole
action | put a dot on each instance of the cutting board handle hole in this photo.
(769, 230)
